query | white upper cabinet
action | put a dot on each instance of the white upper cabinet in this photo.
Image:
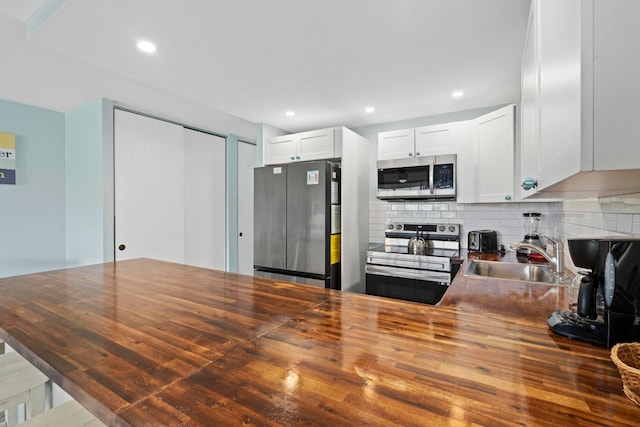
(579, 99)
(486, 157)
(301, 147)
(616, 88)
(529, 106)
(494, 143)
(424, 141)
(315, 145)
(397, 144)
(436, 140)
(280, 149)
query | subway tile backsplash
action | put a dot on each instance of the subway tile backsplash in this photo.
(505, 218)
(612, 216)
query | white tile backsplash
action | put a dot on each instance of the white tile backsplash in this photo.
(504, 218)
(610, 216)
(613, 216)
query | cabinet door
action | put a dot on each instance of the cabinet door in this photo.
(494, 149)
(561, 83)
(435, 140)
(529, 113)
(280, 149)
(616, 85)
(315, 145)
(465, 173)
(149, 188)
(396, 144)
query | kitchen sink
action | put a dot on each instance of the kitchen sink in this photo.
(519, 272)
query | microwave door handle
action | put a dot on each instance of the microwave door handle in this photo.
(431, 168)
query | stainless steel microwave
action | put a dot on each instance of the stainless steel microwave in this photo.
(417, 178)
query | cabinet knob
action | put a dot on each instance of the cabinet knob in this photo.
(410, 154)
(529, 183)
(507, 197)
(293, 158)
(297, 157)
(418, 153)
(122, 247)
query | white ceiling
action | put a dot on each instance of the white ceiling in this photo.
(256, 59)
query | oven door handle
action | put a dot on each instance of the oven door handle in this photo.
(407, 273)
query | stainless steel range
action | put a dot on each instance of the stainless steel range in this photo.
(422, 275)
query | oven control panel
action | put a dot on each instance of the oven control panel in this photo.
(411, 228)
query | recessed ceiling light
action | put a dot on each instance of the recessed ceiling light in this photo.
(290, 113)
(457, 94)
(146, 46)
(369, 109)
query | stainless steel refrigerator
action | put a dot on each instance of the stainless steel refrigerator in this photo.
(297, 223)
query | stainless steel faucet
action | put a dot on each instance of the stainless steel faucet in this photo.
(554, 253)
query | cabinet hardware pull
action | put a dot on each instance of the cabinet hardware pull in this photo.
(529, 183)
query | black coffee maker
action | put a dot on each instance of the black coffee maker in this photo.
(608, 306)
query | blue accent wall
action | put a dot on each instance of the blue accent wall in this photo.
(89, 183)
(32, 212)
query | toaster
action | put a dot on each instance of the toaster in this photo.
(483, 241)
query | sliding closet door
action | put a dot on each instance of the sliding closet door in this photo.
(204, 205)
(149, 188)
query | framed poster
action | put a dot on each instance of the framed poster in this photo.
(7, 158)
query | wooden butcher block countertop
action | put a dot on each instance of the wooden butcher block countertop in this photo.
(150, 343)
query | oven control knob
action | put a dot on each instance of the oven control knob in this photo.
(390, 227)
(441, 228)
(452, 228)
(399, 227)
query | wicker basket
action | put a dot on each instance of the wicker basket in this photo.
(626, 356)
